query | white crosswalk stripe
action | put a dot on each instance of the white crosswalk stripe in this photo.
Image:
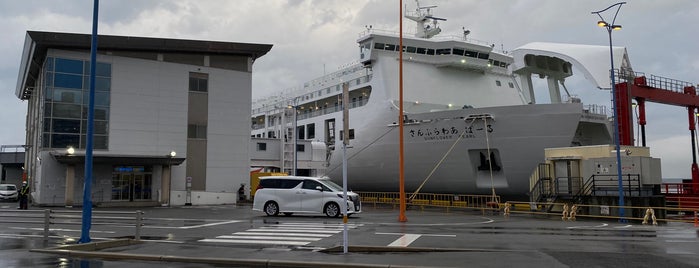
(289, 234)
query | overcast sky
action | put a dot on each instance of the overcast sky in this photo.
(313, 37)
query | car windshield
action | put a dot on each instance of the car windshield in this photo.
(331, 185)
(7, 188)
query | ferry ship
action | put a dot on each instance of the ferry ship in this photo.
(472, 123)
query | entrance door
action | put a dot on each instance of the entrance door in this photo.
(131, 183)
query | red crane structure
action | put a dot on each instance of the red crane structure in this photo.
(639, 87)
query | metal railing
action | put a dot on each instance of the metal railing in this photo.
(611, 212)
(483, 202)
(48, 217)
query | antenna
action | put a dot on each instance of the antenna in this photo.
(466, 32)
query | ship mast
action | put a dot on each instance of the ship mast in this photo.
(426, 24)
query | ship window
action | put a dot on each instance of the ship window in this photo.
(511, 85)
(311, 131)
(470, 54)
(458, 51)
(379, 46)
(444, 51)
(483, 56)
(261, 146)
(327, 91)
(300, 148)
(411, 49)
(351, 134)
(390, 47)
(420, 50)
(270, 134)
(320, 92)
(430, 51)
(301, 132)
(497, 83)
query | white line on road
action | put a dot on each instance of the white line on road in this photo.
(270, 242)
(581, 227)
(193, 226)
(61, 230)
(407, 239)
(404, 240)
(296, 230)
(283, 234)
(268, 237)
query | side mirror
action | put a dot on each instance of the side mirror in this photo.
(319, 188)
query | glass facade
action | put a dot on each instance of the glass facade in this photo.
(66, 93)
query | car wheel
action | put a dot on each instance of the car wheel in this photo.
(332, 210)
(271, 208)
(288, 213)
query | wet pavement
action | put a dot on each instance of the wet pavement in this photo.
(235, 236)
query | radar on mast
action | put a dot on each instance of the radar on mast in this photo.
(423, 17)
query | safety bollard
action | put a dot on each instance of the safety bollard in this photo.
(47, 222)
(139, 219)
(650, 214)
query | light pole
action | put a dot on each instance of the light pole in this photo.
(611, 26)
(295, 108)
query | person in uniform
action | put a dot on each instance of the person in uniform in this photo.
(23, 195)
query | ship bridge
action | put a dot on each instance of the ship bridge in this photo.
(554, 61)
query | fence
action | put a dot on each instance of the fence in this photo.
(483, 202)
(48, 217)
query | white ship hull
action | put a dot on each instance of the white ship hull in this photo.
(445, 154)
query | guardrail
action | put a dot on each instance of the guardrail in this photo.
(636, 213)
(48, 217)
(483, 202)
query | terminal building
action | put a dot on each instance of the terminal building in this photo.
(171, 119)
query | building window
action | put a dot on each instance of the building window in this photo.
(198, 82)
(311, 131)
(196, 131)
(261, 146)
(65, 103)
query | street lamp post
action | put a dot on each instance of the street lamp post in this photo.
(611, 26)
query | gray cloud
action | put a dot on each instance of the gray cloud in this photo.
(311, 37)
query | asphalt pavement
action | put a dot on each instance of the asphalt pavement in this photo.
(236, 236)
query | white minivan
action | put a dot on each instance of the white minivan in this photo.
(297, 194)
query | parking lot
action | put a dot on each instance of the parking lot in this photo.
(434, 238)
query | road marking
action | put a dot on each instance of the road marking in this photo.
(290, 234)
(596, 226)
(404, 240)
(270, 242)
(260, 237)
(407, 239)
(193, 226)
(283, 234)
(624, 226)
(263, 229)
(60, 230)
